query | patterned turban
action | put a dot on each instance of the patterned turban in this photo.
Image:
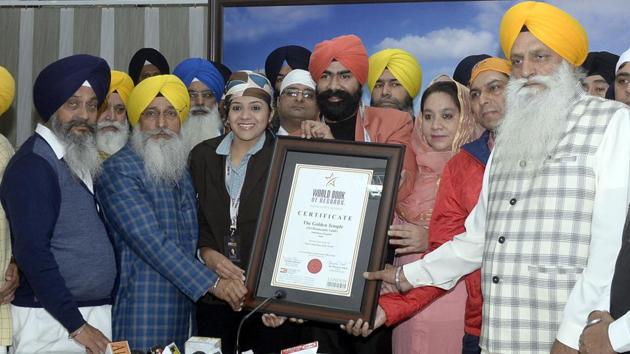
(61, 79)
(555, 28)
(202, 70)
(122, 84)
(170, 86)
(144, 57)
(295, 56)
(348, 50)
(7, 90)
(491, 64)
(401, 64)
(247, 83)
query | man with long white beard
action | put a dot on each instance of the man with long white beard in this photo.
(205, 87)
(112, 126)
(150, 207)
(60, 244)
(548, 224)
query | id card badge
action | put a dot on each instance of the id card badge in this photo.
(232, 246)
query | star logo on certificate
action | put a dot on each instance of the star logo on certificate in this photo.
(330, 180)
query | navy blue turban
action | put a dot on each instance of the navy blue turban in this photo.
(143, 55)
(464, 68)
(295, 56)
(204, 71)
(61, 79)
(224, 70)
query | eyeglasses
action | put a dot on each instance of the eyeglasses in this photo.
(307, 94)
(153, 114)
(203, 94)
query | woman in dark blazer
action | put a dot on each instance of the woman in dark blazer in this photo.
(229, 174)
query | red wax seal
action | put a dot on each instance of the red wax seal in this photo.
(314, 266)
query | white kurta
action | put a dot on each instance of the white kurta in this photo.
(589, 279)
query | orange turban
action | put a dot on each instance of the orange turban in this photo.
(348, 50)
(555, 28)
(491, 64)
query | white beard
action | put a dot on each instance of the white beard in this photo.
(109, 141)
(200, 128)
(81, 153)
(535, 118)
(164, 159)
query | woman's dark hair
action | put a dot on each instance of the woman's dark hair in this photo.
(447, 87)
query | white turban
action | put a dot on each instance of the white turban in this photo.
(624, 58)
(297, 76)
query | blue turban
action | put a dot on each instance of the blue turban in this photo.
(61, 79)
(204, 71)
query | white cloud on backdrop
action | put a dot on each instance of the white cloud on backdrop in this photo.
(250, 24)
(445, 43)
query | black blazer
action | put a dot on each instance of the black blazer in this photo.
(213, 201)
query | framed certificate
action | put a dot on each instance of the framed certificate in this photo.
(323, 222)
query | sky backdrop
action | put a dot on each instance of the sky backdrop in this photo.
(439, 34)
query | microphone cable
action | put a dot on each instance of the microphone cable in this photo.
(277, 295)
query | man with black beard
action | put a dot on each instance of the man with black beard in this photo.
(340, 68)
(549, 220)
(60, 243)
(150, 208)
(205, 87)
(112, 126)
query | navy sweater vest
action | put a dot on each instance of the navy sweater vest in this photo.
(60, 242)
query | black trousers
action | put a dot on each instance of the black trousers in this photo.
(219, 321)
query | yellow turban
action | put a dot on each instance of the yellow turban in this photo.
(170, 86)
(401, 64)
(491, 64)
(7, 90)
(555, 28)
(121, 83)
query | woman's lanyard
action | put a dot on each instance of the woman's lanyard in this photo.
(232, 240)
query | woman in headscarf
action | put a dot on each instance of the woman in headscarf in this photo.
(229, 173)
(445, 124)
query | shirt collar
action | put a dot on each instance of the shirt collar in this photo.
(282, 131)
(57, 145)
(226, 143)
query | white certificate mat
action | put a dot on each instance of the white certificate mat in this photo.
(322, 229)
